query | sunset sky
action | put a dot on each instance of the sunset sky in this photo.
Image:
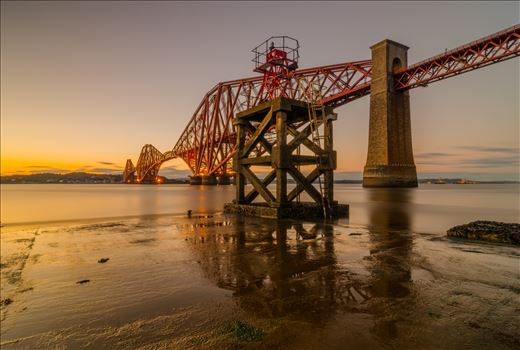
(85, 84)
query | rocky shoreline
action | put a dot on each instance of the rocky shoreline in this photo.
(489, 231)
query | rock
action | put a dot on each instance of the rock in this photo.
(103, 260)
(490, 231)
(82, 281)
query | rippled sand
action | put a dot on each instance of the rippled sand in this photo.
(222, 282)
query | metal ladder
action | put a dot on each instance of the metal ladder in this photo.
(314, 123)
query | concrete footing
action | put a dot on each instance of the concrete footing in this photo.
(210, 180)
(224, 180)
(195, 180)
(390, 176)
(292, 211)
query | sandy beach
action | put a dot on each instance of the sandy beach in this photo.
(222, 282)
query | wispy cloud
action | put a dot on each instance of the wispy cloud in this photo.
(108, 163)
(173, 171)
(97, 169)
(432, 155)
(472, 157)
(83, 168)
(435, 162)
(434, 158)
(507, 150)
(498, 162)
(172, 167)
(104, 170)
(49, 170)
(35, 169)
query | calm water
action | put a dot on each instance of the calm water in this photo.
(378, 280)
(429, 208)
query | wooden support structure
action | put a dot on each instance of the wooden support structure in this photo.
(289, 120)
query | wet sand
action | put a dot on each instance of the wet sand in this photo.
(224, 282)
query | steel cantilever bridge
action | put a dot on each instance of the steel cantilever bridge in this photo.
(208, 142)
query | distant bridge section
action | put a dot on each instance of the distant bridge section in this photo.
(495, 48)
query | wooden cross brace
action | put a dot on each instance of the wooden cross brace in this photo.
(279, 155)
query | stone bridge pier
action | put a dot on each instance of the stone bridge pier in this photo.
(390, 156)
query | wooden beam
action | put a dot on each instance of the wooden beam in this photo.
(306, 184)
(308, 143)
(259, 133)
(298, 136)
(262, 140)
(258, 185)
(299, 189)
(304, 159)
(264, 160)
(266, 181)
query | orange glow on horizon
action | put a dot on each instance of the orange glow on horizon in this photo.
(26, 166)
(11, 166)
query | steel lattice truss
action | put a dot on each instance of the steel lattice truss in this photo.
(149, 163)
(208, 142)
(492, 49)
(129, 173)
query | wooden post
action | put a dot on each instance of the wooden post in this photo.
(328, 175)
(240, 180)
(281, 166)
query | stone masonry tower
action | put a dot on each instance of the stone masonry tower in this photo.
(390, 156)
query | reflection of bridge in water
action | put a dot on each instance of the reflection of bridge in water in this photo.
(281, 268)
(208, 142)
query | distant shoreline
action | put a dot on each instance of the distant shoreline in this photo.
(453, 181)
(88, 178)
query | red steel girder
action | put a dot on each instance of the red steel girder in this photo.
(477, 54)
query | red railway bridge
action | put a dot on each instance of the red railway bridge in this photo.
(209, 141)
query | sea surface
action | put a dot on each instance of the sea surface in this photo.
(124, 267)
(429, 208)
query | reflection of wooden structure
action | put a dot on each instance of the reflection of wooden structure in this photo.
(277, 268)
(301, 122)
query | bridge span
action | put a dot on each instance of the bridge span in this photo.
(208, 143)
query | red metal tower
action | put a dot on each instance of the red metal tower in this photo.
(277, 59)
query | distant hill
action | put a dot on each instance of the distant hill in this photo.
(73, 178)
(70, 178)
(459, 181)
